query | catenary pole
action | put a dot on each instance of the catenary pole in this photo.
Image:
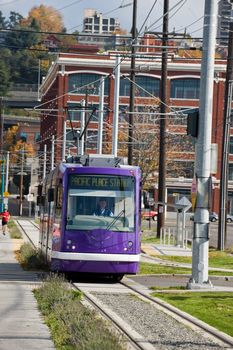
(101, 117)
(52, 152)
(64, 142)
(163, 123)
(7, 171)
(222, 227)
(21, 183)
(200, 247)
(132, 85)
(82, 126)
(116, 106)
(44, 161)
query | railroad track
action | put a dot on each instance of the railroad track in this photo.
(99, 294)
(21, 225)
(134, 340)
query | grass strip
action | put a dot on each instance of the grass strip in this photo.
(72, 325)
(217, 259)
(214, 308)
(151, 269)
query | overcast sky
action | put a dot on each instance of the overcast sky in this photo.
(183, 15)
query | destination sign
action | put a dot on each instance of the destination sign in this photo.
(99, 182)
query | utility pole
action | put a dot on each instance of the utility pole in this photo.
(222, 227)
(116, 106)
(200, 248)
(163, 122)
(132, 85)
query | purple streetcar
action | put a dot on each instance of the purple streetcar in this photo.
(90, 217)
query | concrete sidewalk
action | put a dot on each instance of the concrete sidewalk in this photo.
(21, 325)
(165, 249)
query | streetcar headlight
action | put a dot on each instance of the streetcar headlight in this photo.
(68, 241)
(130, 244)
(73, 247)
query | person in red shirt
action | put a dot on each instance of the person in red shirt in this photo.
(5, 218)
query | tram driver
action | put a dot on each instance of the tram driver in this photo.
(102, 209)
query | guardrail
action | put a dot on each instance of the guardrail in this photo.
(169, 236)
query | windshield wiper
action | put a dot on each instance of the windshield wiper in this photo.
(115, 219)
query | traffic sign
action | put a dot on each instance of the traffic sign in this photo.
(183, 204)
(6, 194)
(30, 197)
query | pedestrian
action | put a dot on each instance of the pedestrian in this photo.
(5, 218)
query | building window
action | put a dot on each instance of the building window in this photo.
(231, 145)
(149, 86)
(92, 136)
(37, 136)
(231, 171)
(23, 136)
(77, 84)
(187, 88)
(71, 137)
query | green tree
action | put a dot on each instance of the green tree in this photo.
(14, 20)
(3, 21)
(4, 79)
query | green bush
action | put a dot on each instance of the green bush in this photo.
(73, 326)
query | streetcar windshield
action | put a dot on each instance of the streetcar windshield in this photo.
(101, 202)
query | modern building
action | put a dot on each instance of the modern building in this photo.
(95, 22)
(74, 80)
(224, 15)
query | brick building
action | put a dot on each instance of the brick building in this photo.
(73, 78)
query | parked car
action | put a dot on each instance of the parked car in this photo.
(213, 217)
(229, 218)
(149, 214)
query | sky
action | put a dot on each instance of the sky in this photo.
(183, 14)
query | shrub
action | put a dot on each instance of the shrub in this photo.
(73, 326)
(31, 258)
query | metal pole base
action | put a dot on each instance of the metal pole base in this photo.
(193, 285)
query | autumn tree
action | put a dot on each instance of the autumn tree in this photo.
(146, 146)
(47, 18)
(13, 144)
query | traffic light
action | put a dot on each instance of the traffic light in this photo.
(192, 123)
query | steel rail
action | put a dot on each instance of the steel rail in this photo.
(183, 315)
(25, 233)
(134, 343)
